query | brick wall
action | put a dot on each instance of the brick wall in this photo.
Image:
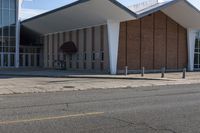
(153, 42)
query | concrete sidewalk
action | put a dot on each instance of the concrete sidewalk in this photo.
(41, 81)
(87, 74)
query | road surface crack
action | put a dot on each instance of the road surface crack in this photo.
(142, 124)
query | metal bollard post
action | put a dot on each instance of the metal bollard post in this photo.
(184, 73)
(142, 72)
(126, 70)
(163, 72)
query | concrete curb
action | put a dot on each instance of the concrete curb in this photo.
(87, 76)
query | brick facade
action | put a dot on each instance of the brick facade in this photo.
(153, 42)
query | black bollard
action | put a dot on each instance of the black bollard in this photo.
(142, 71)
(163, 72)
(126, 70)
(184, 73)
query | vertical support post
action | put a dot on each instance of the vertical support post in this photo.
(126, 70)
(163, 72)
(184, 73)
(18, 8)
(17, 44)
(191, 36)
(142, 72)
(113, 42)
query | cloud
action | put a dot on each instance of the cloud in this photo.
(28, 13)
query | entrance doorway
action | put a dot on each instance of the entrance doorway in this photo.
(7, 60)
(30, 56)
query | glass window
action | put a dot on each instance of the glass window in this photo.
(85, 56)
(26, 60)
(5, 60)
(12, 41)
(93, 56)
(21, 59)
(1, 42)
(196, 59)
(12, 17)
(6, 31)
(70, 57)
(0, 4)
(38, 60)
(102, 56)
(12, 60)
(0, 59)
(32, 60)
(0, 18)
(197, 53)
(13, 4)
(5, 18)
(5, 41)
(5, 4)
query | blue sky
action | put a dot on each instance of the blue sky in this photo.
(35, 7)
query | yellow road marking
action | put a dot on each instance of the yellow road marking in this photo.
(50, 118)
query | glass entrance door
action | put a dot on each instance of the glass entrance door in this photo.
(7, 60)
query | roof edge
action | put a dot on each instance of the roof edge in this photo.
(190, 4)
(158, 8)
(124, 8)
(55, 10)
(118, 4)
(79, 2)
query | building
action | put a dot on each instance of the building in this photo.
(104, 35)
(9, 10)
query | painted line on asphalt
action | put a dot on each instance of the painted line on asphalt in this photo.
(50, 118)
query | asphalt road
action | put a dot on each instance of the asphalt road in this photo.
(166, 109)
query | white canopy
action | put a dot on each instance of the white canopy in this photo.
(80, 14)
(185, 14)
(87, 13)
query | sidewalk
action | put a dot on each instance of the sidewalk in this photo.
(13, 82)
(86, 74)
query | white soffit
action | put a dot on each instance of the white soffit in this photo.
(184, 13)
(82, 14)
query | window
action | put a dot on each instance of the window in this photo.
(70, 57)
(12, 4)
(0, 4)
(7, 32)
(93, 56)
(197, 54)
(5, 4)
(102, 56)
(85, 56)
(77, 57)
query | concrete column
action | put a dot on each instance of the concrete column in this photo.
(113, 43)
(19, 4)
(191, 36)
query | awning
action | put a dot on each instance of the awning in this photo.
(180, 11)
(68, 48)
(80, 14)
(184, 13)
(88, 13)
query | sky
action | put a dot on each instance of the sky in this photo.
(32, 8)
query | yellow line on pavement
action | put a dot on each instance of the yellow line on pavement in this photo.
(49, 118)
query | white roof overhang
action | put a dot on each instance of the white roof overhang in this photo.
(80, 14)
(184, 13)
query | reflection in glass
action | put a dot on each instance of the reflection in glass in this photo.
(7, 32)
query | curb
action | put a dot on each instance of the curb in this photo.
(88, 77)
